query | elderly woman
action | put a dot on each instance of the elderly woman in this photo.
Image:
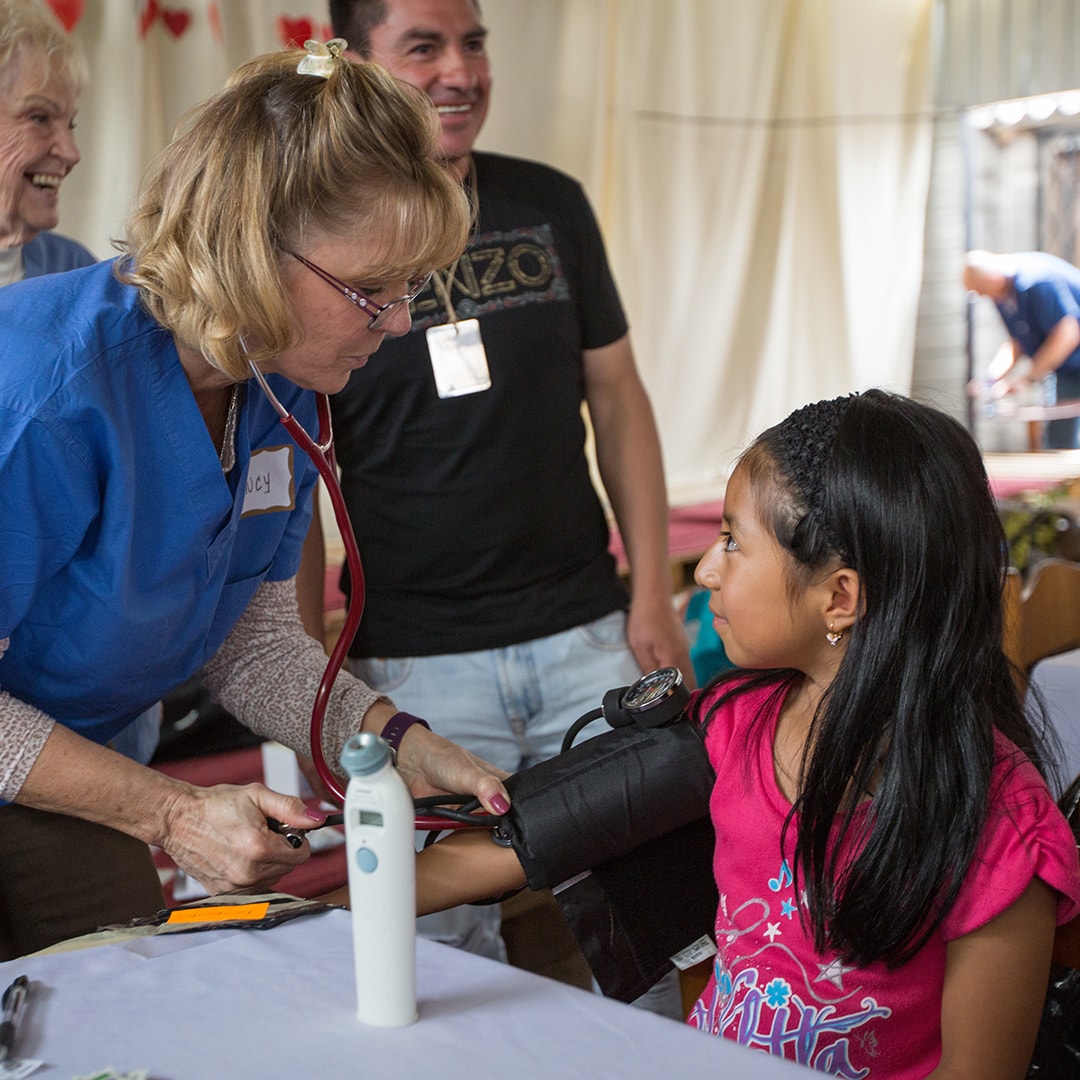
(152, 507)
(42, 75)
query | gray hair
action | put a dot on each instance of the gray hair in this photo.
(29, 27)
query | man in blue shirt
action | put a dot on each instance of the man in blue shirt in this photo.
(1038, 298)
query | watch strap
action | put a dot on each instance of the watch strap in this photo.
(395, 729)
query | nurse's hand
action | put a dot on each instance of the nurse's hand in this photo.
(432, 765)
(219, 835)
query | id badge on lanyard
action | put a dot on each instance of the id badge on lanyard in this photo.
(458, 360)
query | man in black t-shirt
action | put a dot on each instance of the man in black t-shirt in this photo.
(493, 607)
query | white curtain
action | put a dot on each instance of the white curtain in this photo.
(759, 170)
(150, 61)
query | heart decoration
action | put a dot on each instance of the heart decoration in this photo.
(69, 12)
(176, 20)
(295, 31)
(214, 15)
(147, 16)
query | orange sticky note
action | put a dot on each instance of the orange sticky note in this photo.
(226, 913)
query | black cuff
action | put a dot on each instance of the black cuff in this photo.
(605, 797)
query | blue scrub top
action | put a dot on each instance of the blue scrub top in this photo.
(51, 253)
(126, 556)
(1045, 290)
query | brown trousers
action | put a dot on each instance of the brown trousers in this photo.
(61, 877)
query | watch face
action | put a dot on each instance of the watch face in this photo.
(652, 688)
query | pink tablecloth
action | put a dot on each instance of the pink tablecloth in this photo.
(691, 529)
(1009, 487)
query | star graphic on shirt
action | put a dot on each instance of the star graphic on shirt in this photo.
(773, 931)
(787, 908)
(834, 972)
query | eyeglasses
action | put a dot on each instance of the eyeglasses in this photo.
(378, 314)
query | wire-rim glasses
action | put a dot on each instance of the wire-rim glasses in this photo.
(378, 314)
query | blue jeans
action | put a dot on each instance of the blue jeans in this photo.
(1062, 386)
(512, 707)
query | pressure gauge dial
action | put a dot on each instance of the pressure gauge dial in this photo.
(656, 698)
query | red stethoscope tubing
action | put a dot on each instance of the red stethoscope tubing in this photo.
(322, 456)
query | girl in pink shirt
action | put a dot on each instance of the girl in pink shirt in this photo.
(891, 913)
(890, 862)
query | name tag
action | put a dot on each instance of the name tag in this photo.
(458, 360)
(269, 486)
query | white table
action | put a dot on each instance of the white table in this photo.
(279, 1003)
(1058, 679)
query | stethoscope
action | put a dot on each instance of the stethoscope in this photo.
(321, 453)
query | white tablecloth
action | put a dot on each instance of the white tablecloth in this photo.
(1058, 679)
(279, 1003)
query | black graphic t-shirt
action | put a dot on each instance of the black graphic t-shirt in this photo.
(476, 517)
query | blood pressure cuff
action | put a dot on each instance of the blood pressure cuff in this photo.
(606, 797)
(635, 916)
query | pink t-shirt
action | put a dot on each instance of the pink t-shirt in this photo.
(771, 991)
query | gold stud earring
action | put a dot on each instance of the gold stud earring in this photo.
(832, 636)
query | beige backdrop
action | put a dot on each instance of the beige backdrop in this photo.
(759, 169)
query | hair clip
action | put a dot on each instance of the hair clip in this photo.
(320, 58)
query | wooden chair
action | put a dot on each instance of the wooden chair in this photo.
(1042, 616)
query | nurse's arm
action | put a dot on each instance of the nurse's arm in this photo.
(218, 835)
(268, 671)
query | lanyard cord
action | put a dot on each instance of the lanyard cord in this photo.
(444, 288)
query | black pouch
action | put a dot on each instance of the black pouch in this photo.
(1057, 1048)
(633, 914)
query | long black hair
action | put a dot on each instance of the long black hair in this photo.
(897, 491)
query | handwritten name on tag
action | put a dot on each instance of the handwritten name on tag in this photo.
(269, 486)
